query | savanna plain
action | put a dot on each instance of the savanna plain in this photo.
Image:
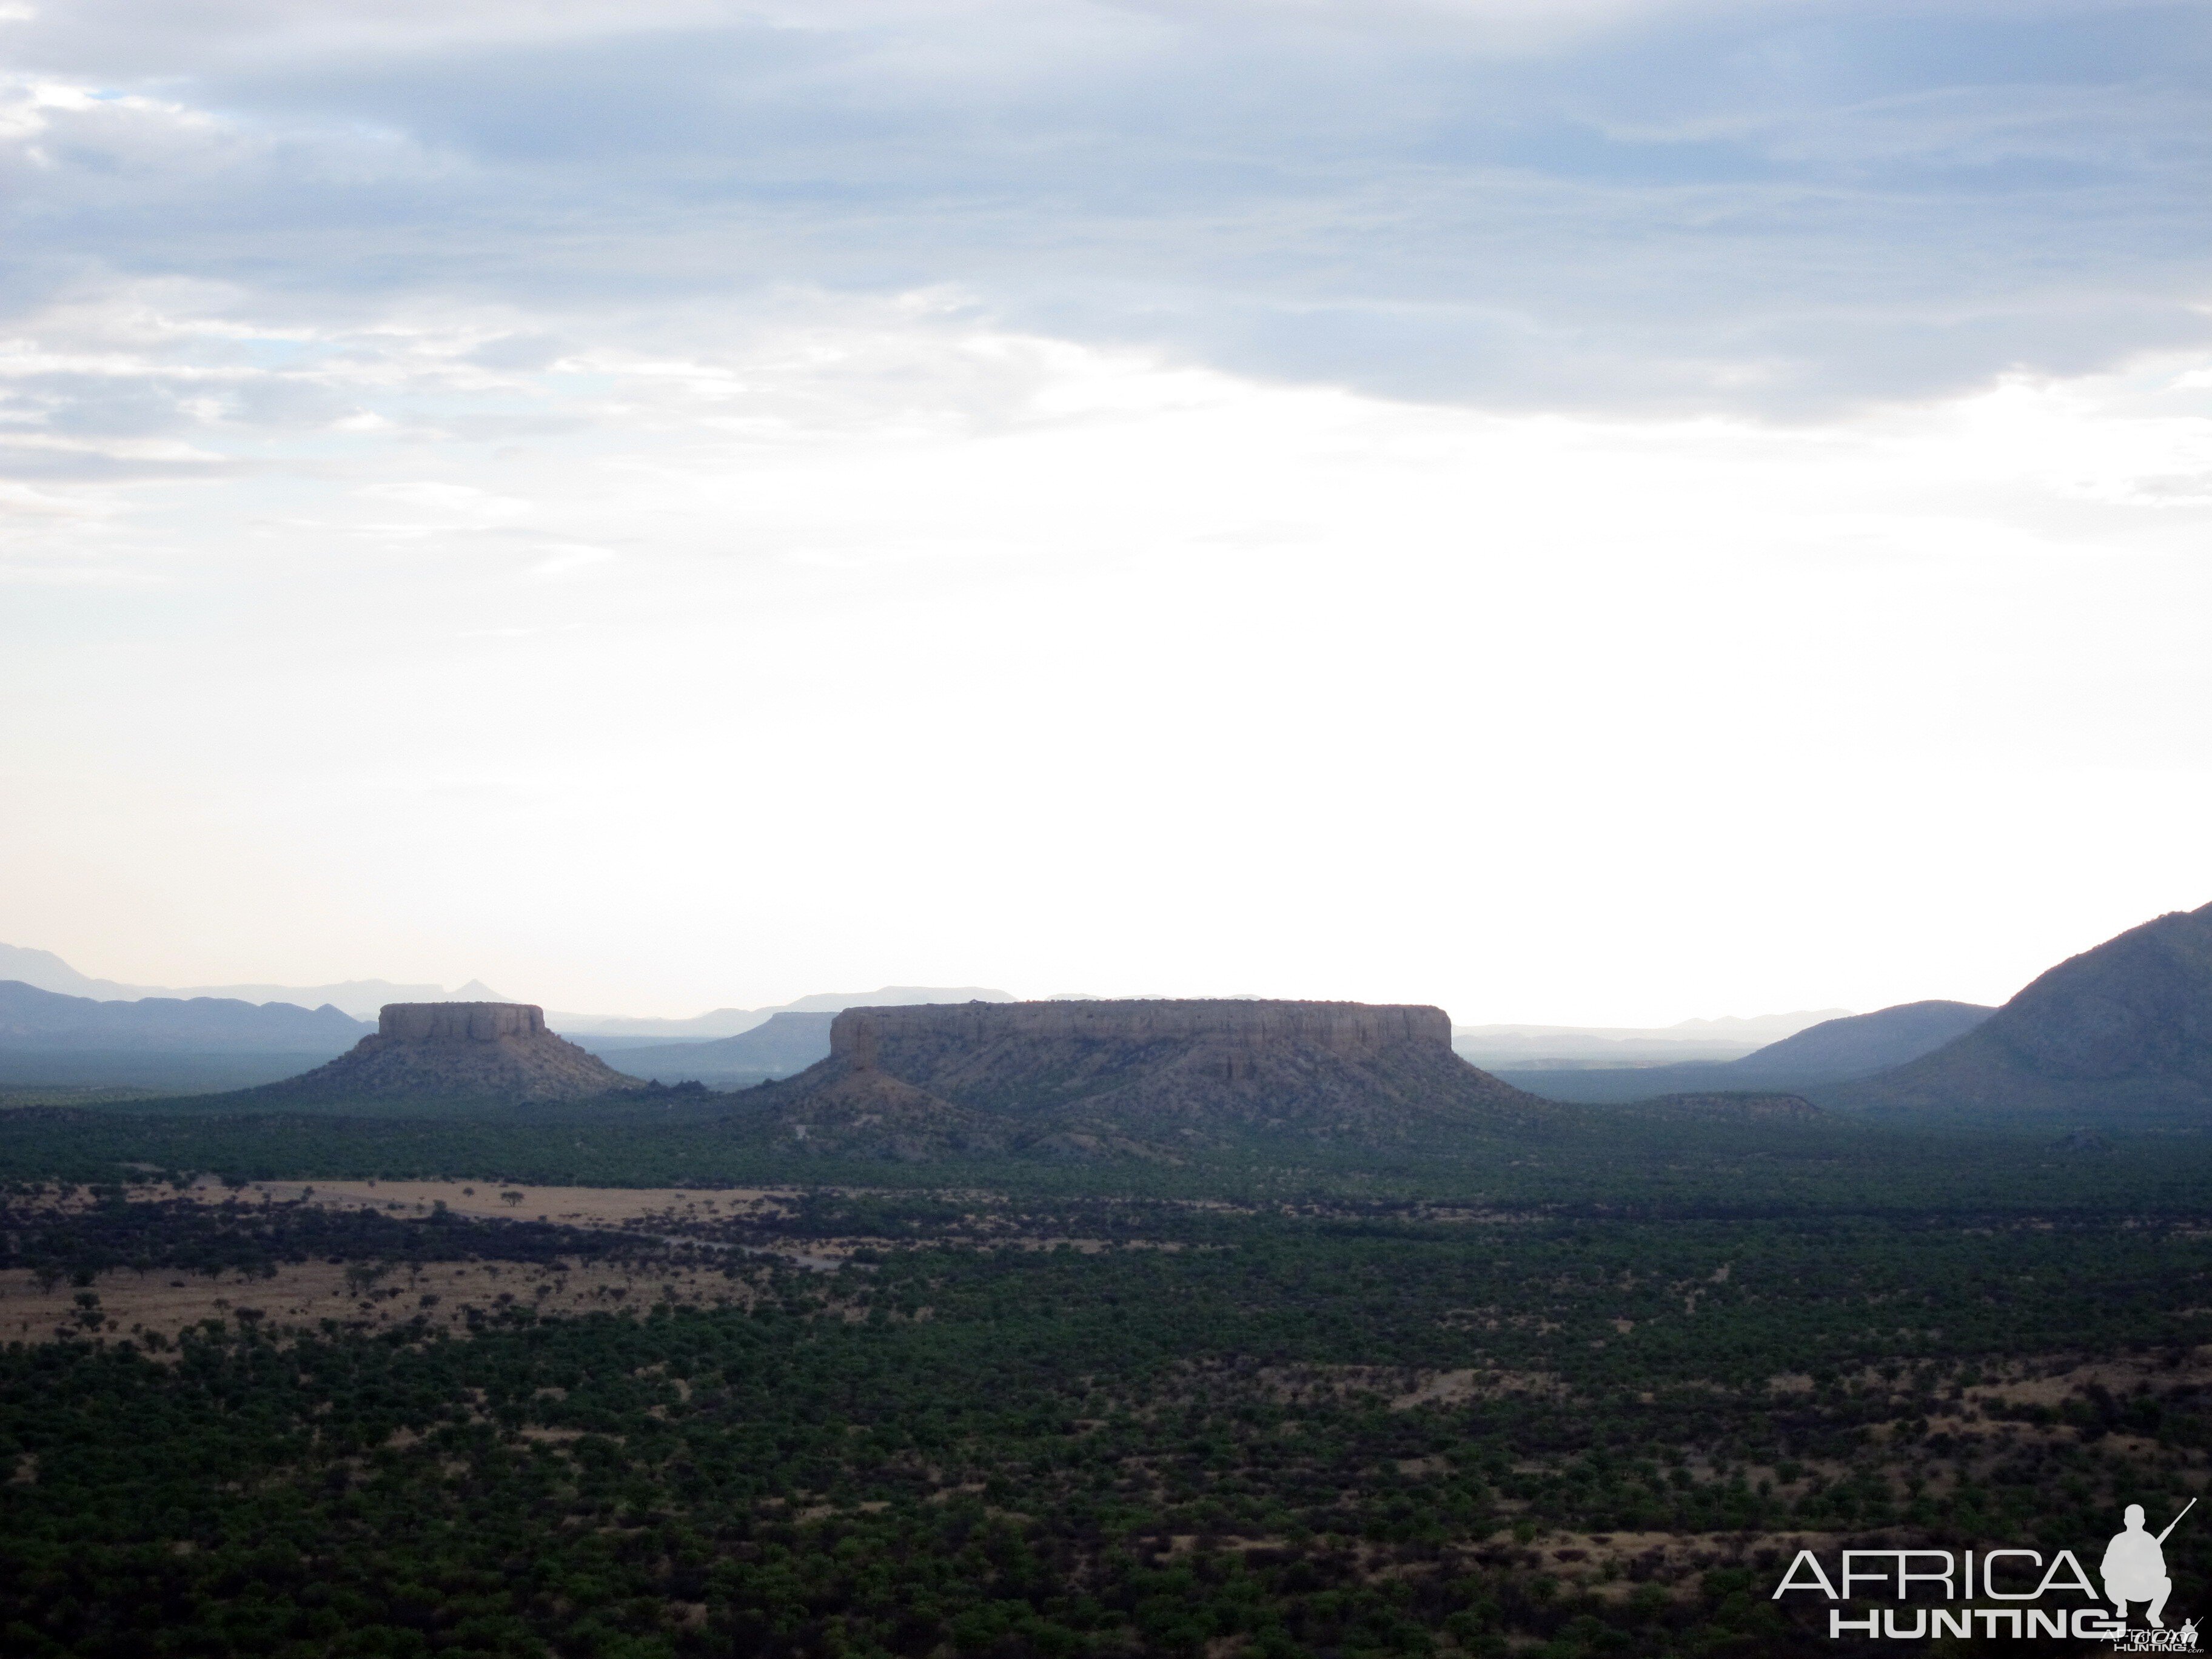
(638, 1384)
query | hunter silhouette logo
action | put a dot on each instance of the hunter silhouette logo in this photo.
(2134, 1570)
(2135, 1566)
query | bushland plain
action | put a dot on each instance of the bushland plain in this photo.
(1579, 1391)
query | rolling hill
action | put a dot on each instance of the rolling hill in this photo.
(1834, 1051)
(2120, 1035)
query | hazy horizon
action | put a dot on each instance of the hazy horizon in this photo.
(17, 961)
(1594, 513)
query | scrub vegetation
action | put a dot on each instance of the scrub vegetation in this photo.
(947, 1419)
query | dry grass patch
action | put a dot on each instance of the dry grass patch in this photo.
(448, 1296)
(485, 1201)
(1403, 1387)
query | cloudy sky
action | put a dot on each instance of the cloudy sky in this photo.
(1579, 510)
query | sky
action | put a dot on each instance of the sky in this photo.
(1596, 511)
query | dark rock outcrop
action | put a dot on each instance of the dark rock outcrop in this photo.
(455, 1051)
(1082, 1078)
(2121, 1033)
(459, 1022)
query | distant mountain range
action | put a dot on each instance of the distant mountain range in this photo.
(783, 1044)
(361, 998)
(1501, 1045)
(33, 1018)
(607, 1032)
(185, 1044)
(786, 1040)
(114, 1036)
(1834, 1051)
(1855, 1046)
(2119, 1035)
(1569, 1046)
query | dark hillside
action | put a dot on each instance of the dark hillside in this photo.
(2121, 1034)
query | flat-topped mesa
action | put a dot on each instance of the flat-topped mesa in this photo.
(1156, 1073)
(1353, 1029)
(480, 1051)
(459, 1022)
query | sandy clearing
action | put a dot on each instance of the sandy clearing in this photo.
(164, 1302)
(1403, 1387)
(681, 1209)
(573, 1207)
(1450, 1388)
(2122, 1378)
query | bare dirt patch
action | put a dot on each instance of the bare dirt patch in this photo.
(682, 1211)
(1404, 1388)
(485, 1201)
(448, 1296)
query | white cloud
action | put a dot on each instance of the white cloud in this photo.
(1604, 511)
(843, 633)
(1669, 207)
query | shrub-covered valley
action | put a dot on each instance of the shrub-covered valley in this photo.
(960, 1421)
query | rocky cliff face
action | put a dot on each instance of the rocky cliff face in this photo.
(459, 1022)
(2120, 1032)
(475, 1051)
(1087, 1076)
(1351, 1030)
